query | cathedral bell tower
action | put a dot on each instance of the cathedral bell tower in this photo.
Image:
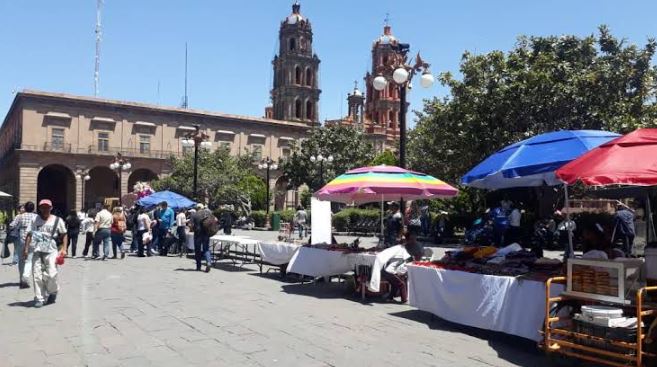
(295, 95)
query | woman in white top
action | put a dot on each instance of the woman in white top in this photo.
(143, 227)
(87, 225)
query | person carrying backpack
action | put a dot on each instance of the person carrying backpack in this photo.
(202, 236)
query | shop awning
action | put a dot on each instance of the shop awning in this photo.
(225, 132)
(145, 124)
(286, 138)
(187, 128)
(60, 115)
(257, 136)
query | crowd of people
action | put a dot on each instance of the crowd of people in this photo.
(42, 240)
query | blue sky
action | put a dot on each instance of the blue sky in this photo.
(49, 45)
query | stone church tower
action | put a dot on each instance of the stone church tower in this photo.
(295, 95)
(382, 107)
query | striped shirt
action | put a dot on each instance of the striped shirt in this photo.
(23, 222)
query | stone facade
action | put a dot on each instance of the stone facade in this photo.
(50, 141)
(295, 93)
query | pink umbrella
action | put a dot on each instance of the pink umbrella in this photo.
(383, 183)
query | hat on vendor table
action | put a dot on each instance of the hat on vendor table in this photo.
(46, 202)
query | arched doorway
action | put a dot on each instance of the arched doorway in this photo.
(280, 193)
(57, 183)
(140, 175)
(104, 183)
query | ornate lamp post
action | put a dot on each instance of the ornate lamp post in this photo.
(321, 159)
(268, 164)
(196, 139)
(83, 174)
(402, 74)
(119, 165)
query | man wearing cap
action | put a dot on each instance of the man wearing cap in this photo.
(201, 238)
(47, 238)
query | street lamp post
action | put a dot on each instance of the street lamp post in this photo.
(120, 164)
(321, 159)
(196, 139)
(83, 174)
(268, 164)
(402, 76)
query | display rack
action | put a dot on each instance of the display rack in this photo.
(562, 338)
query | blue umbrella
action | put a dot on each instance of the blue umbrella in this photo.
(532, 162)
(175, 201)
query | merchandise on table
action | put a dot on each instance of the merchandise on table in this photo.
(509, 261)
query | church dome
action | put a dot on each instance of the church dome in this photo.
(386, 38)
(294, 19)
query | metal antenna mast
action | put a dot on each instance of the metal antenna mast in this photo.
(185, 103)
(99, 5)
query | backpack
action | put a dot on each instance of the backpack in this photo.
(210, 225)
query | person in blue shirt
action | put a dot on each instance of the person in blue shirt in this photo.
(164, 223)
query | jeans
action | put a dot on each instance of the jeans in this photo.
(72, 242)
(103, 234)
(117, 243)
(182, 239)
(88, 240)
(426, 224)
(302, 230)
(45, 274)
(134, 243)
(24, 265)
(163, 240)
(201, 249)
(140, 244)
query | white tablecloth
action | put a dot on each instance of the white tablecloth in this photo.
(319, 262)
(277, 253)
(499, 303)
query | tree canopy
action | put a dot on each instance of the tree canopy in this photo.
(543, 84)
(347, 146)
(386, 157)
(222, 178)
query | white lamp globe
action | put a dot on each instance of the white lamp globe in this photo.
(426, 81)
(330, 158)
(112, 165)
(312, 158)
(78, 176)
(379, 83)
(274, 166)
(320, 157)
(400, 76)
(206, 145)
(87, 178)
(127, 166)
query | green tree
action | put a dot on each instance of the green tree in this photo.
(254, 187)
(543, 84)
(344, 143)
(221, 177)
(386, 157)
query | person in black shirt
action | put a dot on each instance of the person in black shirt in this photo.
(624, 227)
(73, 231)
(201, 238)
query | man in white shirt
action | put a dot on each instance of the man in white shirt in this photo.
(43, 238)
(181, 223)
(515, 232)
(103, 224)
(88, 230)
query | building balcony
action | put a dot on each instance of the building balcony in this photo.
(93, 149)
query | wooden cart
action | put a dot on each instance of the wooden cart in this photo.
(561, 338)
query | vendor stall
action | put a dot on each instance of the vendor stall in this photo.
(506, 304)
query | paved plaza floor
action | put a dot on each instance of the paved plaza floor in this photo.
(159, 312)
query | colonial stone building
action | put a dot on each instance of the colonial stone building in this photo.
(50, 141)
(295, 95)
(377, 113)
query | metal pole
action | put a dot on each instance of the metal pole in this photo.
(120, 182)
(195, 168)
(267, 184)
(402, 126)
(571, 250)
(321, 174)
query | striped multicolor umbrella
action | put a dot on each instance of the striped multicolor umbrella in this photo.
(384, 183)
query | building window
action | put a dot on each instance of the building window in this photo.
(309, 77)
(257, 152)
(297, 75)
(103, 142)
(224, 145)
(309, 110)
(144, 144)
(285, 152)
(297, 109)
(57, 138)
(187, 150)
(293, 44)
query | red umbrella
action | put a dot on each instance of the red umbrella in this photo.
(628, 160)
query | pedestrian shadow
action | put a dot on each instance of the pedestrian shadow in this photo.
(21, 304)
(8, 285)
(323, 290)
(186, 269)
(516, 350)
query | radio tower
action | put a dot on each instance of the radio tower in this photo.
(99, 6)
